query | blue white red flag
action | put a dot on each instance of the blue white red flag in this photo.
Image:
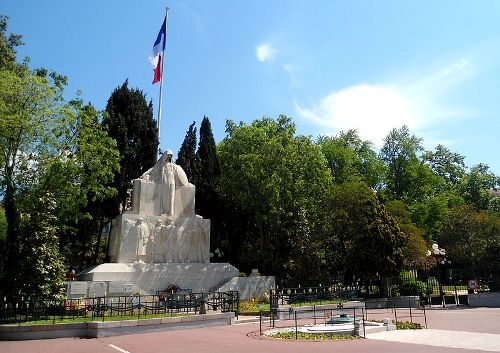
(157, 53)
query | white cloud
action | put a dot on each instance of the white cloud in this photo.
(375, 109)
(265, 52)
(372, 110)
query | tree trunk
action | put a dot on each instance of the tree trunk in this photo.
(12, 240)
(385, 286)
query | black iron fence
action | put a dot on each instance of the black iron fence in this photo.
(441, 285)
(403, 313)
(118, 308)
(315, 295)
(295, 320)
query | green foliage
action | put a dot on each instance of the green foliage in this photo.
(350, 158)
(8, 45)
(290, 335)
(407, 178)
(208, 172)
(51, 151)
(406, 325)
(446, 164)
(478, 184)
(187, 157)
(253, 306)
(276, 178)
(360, 234)
(415, 246)
(472, 239)
(409, 285)
(41, 273)
(31, 118)
(130, 122)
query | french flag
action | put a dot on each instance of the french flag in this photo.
(157, 53)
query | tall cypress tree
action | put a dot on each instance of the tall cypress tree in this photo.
(208, 172)
(187, 157)
(130, 122)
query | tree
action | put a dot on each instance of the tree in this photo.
(478, 184)
(187, 157)
(129, 121)
(277, 179)
(3, 235)
(8, 46)
(414, 251)
(448, 165)
(41, 274)
(209, 170)
(399, 154)
(89, 168)
(471, 238)
(31, 119)
(351, 159)
(54, 158)
(358, 223)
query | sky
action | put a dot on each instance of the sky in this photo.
(330, 65)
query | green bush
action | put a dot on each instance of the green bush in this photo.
(408, 285)
(406, 325)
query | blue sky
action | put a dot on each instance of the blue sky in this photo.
(331, 65)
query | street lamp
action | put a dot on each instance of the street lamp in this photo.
(439, 254)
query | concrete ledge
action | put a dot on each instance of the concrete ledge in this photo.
(489, 299)
(96, 329)
(398, 302)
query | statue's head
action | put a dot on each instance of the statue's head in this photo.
(167, 156)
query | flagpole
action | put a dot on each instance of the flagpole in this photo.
(161, 80)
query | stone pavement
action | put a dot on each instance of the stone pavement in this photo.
(457, 330)
(442, 338)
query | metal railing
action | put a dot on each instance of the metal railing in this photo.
(316, 295)
(118, 308)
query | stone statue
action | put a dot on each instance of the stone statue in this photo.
(168, 177)
(139, 235)
(162, 226)
(159, 242)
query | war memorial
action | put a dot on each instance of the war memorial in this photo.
(161, 242)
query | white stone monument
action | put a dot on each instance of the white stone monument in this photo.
(161, 241)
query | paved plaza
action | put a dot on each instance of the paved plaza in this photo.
(459, 330)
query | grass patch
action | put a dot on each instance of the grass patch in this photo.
(69, 320)
(318, 302)
(249, 306)
(312, 336)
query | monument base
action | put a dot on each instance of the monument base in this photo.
(150, 278)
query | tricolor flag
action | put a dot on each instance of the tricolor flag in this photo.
(157, 53)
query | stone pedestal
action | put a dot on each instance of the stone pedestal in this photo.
(153, 277)
(159, 239)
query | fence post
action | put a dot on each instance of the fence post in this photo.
(395, 314)
(296, 329)
(139, 307)
(409, 305)
(364, 330)
(260, 322)
(425, 317)
(53, 314)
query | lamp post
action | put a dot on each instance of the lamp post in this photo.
(439, 256)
